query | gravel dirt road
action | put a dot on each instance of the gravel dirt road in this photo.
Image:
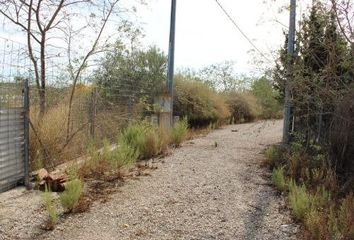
(201, 191)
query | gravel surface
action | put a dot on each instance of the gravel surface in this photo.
(211, 188)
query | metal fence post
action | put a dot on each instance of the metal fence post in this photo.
(26, 131)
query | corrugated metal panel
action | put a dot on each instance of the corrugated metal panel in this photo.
(12, 164)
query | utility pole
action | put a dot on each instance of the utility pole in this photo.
(171, 57)
(291, 47)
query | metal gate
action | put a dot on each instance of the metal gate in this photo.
(14, 134)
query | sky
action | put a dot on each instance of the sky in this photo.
(204, 35)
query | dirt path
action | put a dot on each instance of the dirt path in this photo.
(200, 192)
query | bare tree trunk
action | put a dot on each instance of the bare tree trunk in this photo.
(83, 63)
(42, 96)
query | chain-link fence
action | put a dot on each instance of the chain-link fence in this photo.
(70, 121)
(69, 126)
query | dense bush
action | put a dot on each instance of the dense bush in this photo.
(243, 107)
(312, 192)
(342, 135)
(199, 103)
(266, 97)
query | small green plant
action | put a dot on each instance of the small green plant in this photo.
(134, 136)
(300, 200)
(179, 132)
(271, 155)
(123, 155)
(50, 208)
(72, 194)
(278, 179)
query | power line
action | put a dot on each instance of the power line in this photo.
(242, 32)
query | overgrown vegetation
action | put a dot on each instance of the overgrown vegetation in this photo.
(198, 100)
(314, 194)
(319, 159)
(179, 132)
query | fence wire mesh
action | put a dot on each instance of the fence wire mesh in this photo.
(68, 125)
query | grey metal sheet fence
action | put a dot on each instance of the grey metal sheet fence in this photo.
(13, 138)
(12, 166)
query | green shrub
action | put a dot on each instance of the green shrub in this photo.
(300, 200)
(272, 156)
(278, 179)
(152, 142)
(135, 137)
(94, 166)
(123, 155)
(179, 132)
(266, 97)
(50, 208)
(72, 194)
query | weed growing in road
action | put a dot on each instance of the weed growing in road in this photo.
(179, 132)
(72, 194)
(278, 179)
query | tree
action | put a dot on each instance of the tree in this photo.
(132, 74)
(266, 96)
(343, 11)
(47, 23)
(321, 72)
(221, 77)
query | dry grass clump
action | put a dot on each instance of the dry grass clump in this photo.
(49, 142)
(243, 106)
(199, 103)
(179, 132)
